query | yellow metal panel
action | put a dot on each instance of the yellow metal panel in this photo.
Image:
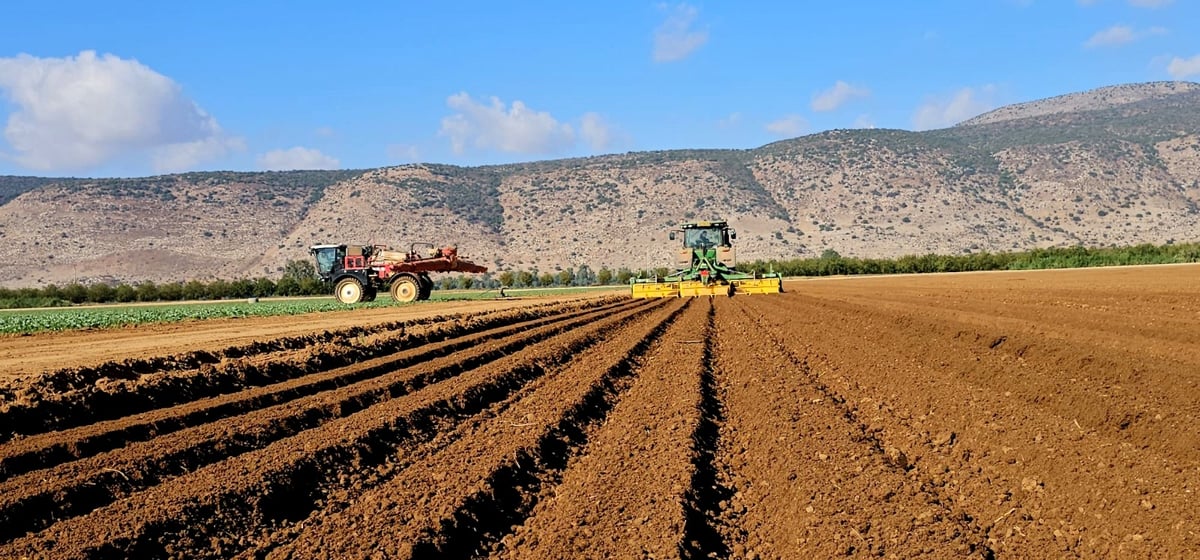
(759, 286)
(696, 289)
(693, 289)
(655, 290)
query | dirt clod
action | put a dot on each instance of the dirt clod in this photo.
(897, 458)
(943, 438)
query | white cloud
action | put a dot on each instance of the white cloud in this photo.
(518, 130)
(82, 111)
(732, 121)
(407, 153)
(836, 96)
(596, 132)
(296, 158)
(174, 158)
(962, 105)
(1115, 35)
(864, 121)
(675, 39)
(1181, 68)
(521, 130)
(788, 126)
(1120, 35)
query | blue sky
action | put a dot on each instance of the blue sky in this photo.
(133, 88)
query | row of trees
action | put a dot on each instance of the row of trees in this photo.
(831, 263)
(581, 276)
(52, 295)
(300, 279)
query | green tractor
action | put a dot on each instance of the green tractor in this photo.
(705, 263)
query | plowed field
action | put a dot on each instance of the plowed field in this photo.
(998, 415)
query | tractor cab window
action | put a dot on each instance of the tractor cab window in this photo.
(703, 238)
(325, 260)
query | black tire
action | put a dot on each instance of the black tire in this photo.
(349, 290)
(405, 290)
(426, 287)
(369, 294)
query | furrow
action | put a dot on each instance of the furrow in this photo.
(35, 500)
(624, 495)
(1014, 356)
(47, 450)
(466, 497)
(65, 400)
(336, 495)
(807, 480)
(1034, 478)
(708, 496)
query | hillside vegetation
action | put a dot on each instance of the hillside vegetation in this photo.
(1111, 167)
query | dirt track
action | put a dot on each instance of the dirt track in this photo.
(1031, 415)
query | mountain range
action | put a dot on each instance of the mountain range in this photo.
(1118, 165)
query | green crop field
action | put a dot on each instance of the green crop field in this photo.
(98, 317)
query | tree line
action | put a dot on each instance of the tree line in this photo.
(831, 263)
(76, 293)
(300, 278)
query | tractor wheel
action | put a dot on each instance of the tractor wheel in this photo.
(405, 290)
(369, 294)
(425, 289)
(349, 290)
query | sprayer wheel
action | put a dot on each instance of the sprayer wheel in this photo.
(349, 290)
(405, 290)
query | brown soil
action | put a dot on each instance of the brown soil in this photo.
(1006, 415)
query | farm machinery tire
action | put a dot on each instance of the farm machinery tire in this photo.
(349, 290)
(426, 287)
(405, 290)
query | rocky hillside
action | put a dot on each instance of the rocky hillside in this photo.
(1100, 98)
(1116, 165)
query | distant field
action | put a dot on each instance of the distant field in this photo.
(22, 321)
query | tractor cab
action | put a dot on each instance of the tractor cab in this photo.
(704, 242)
(330, 259)
(705, 235)
(705, 238)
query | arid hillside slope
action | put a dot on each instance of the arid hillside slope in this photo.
(1117, 165)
